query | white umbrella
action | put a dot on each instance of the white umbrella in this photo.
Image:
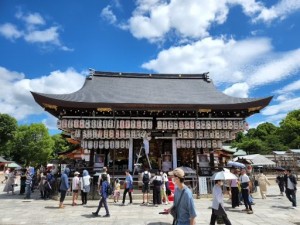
(223, 176)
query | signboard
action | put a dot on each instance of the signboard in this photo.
(203, 186)
(99, 162)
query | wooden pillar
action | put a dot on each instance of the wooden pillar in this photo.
(92, 153)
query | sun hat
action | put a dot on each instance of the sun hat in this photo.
(76, 173)
(177, 172)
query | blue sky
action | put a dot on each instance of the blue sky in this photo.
(251, 48)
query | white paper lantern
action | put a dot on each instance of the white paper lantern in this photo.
(144, 124)
(224, 124)
(212, 134)
(227, 135)
(191, 134)
(235, 124)
(105, 134)
(188, 144)
(117, 135)
(94, 124)
(58, 124)
(89, 134)
(138, 124)
(183, 143)
(206, 134)
(230, 124)
(186, 124)
(64, 123)
(222, 134)
(101, 144)
(122, 144)
(159, 125)
(117, 144)
(138, 134)
(150, 124)
(100, 133)
(232, 135)
(70, 123)
(241, 125)
(117, 124)
(208, 142)
(122, 133)
(204, 144)
(112, 144)
(208, 125)
(213, 125)
(84, 134)
(82, 124)
(181, 125)
(77, 133)
(87, 124)
(217, 134)
(127, 144)
(201, 135)
(178, 144)
(111, 133)
(192, 124)
(127, 133)
(170, 125)
(185, 134)
(198, 125)
(110, 124)
(219, 124)
(179, 134)
(99, 124)
(193, 143)
(95, 134)
(96, 144)
(104, 124)
(203, 125)
(106, 144)
(214, 144)
(90, 144)
(199, 144)
(133, 134)
(127, 124)
(133, 124)
(175, 125)
(220, 145)
(165, 125)
(76, 123)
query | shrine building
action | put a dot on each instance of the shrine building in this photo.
(183, 116)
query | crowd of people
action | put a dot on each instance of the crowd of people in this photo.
(239, 190)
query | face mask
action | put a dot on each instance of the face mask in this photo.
(221, 183)
(173, 180)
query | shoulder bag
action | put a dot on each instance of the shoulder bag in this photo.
(173, 211)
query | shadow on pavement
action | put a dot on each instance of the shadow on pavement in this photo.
(280, 207)
(51, 207)
(90, 216)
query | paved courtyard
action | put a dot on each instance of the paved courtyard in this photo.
(275, 210)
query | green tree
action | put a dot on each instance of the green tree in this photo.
(32, 145)
(60, 144)
(8, 126)
(290, 129)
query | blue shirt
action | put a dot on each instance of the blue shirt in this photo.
(186, 208)
(129, 182)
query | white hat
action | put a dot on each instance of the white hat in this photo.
(76, 173)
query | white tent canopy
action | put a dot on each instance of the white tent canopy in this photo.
(257, 159)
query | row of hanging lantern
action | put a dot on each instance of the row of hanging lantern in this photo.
(107, 134)
(104, 124)
(199, 143)
(201, 124)
(105, 144)
(206, 134)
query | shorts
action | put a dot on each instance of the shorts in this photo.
(145, 188)
(75, 191)
(117, 193)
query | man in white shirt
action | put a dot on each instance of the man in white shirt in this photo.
(245, 182)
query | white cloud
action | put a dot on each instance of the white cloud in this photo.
(32, 18)
(295, 86)
(33, 33)
(15, 96)
(50, 122)
(49, 35)
(277, 68)
(238, 90)
(108, 15)
(10, 31)
(276, 118)
(281, 10)
(285, 106)
(227, 60)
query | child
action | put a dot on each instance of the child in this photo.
(117, 191)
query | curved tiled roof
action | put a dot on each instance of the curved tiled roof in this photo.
(115, 89)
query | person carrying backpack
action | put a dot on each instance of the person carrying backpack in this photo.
(157, 181)
(146, 187)
(104, 195)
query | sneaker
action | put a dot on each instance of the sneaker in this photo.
(122, 204)
(107, 215)
(293, 207)
(250, 212)
(155, 205)
(95, 214)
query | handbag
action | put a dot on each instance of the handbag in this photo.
(173, 210)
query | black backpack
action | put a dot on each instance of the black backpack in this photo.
(146, 178)
(109, 190)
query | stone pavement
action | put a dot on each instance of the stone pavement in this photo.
(275, 210)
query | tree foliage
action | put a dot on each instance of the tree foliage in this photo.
(60, 144)
(8, 125)
(267, 137)
(31, 145)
